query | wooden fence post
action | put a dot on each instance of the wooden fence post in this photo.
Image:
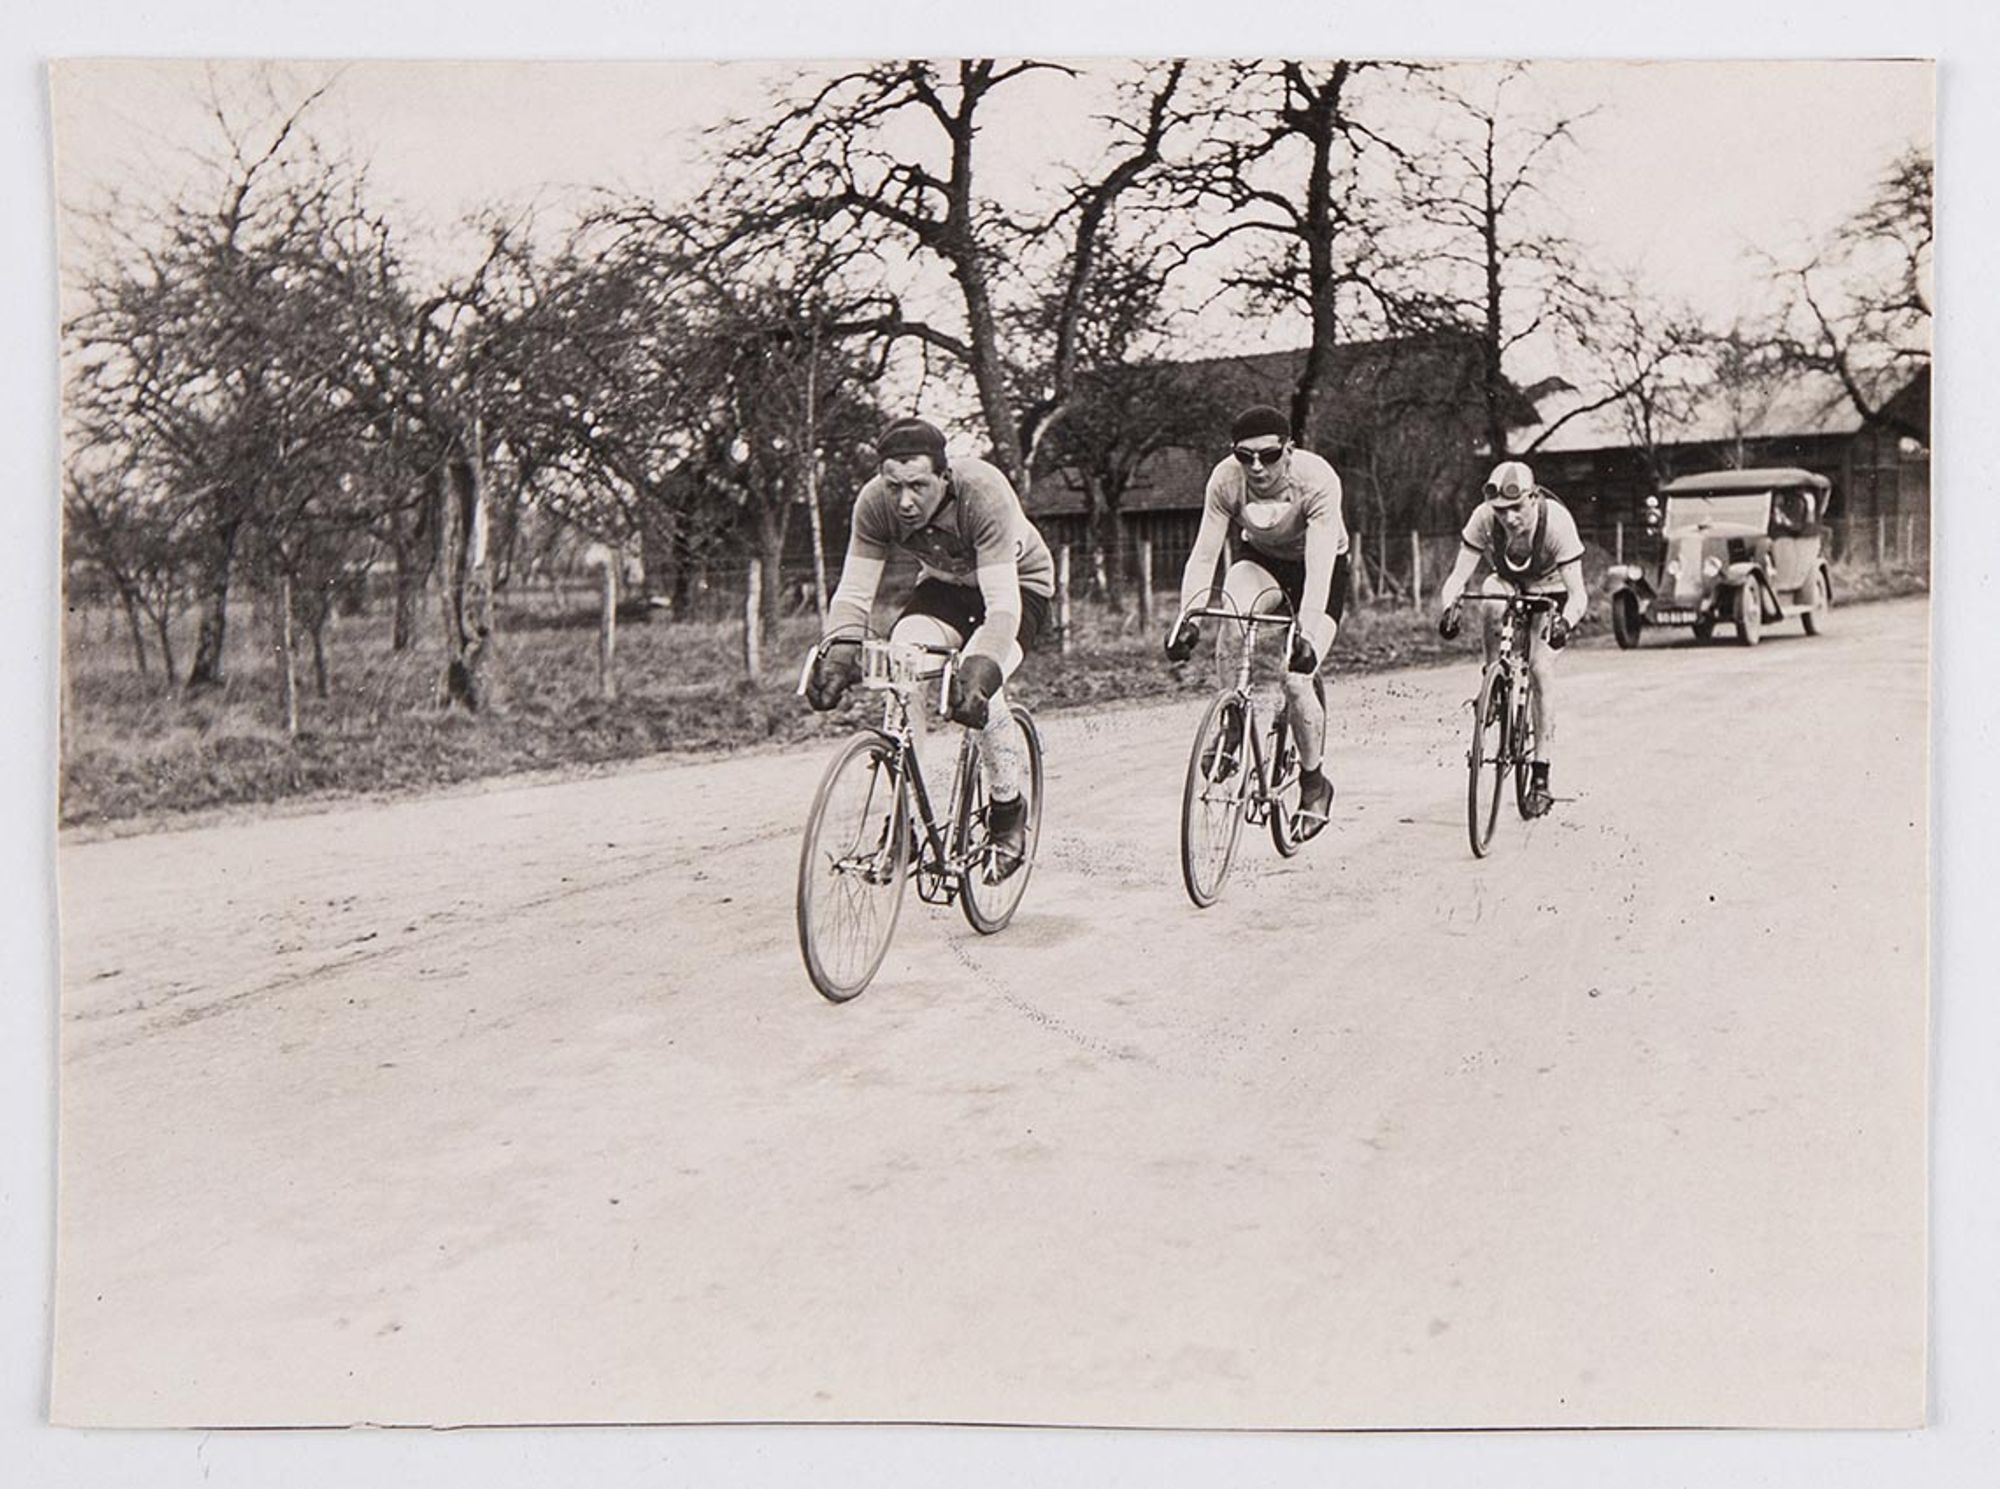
(1881, 540)
(1062, 597)
(1145, 586)
(1416, 570)
(607, 628)
(1909, 535)
(753, 604)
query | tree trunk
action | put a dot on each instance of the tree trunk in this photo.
(771, 524)
(465, 583)
(318, 632)
(1489, 361)
(409, 586)
(163, 632)
(607, 628)
(131, 604)
(288, 672)
(989, 373)
(206, 669)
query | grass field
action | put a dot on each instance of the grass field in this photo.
(136, 751)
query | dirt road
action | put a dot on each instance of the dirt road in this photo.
(517, 1106)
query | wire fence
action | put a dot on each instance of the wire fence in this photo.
(1142, 570)
(1137, 579)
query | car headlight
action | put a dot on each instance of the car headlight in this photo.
(1711, 566)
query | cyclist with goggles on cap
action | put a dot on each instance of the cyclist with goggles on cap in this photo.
(1284, 505)
(1530, 543)
(984, 584)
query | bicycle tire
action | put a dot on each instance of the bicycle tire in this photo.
(1488, 753)
(989, 906)
(849, 894)
(1212, 802)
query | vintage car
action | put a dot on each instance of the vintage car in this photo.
(1742, 546)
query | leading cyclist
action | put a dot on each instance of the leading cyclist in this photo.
(1285, 504)
(985, 582)
(1531, 543)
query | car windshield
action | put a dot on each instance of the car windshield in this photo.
(1735, 508)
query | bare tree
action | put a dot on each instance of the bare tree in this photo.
(1503, 268)
(1297, 173)
(138, 544)
(1860, 308)
(214, 358)
(883, 159)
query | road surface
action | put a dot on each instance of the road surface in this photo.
(515, 1105)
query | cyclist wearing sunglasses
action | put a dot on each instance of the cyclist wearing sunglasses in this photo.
(984, 584)
(1283, 505)
(1529, 541)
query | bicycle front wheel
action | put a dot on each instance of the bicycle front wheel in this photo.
(1214, 798)
(990, 903)
(1486, 761)
(852, 867)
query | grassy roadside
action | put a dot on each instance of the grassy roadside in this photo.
(138, 755)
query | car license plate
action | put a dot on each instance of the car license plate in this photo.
(1669, 617)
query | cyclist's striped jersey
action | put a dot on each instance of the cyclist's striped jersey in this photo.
(979, 522)
(1532, 560)
(1277, 524)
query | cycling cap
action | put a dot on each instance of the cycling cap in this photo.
(1259, 420)
(907, 437)
(1510, 484)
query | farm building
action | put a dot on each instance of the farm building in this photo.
(1806, 420)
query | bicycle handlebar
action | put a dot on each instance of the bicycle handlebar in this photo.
(1532, 602)
(1261, 618)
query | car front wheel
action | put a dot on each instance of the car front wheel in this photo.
(1749, 614)
(1626, 620)
(1813, 617)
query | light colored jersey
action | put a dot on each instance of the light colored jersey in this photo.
(1532, 560)
(1301, 522)
(1278, 524)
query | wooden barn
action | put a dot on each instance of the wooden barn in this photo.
(1803, 419)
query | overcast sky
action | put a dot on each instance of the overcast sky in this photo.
(1681, 168)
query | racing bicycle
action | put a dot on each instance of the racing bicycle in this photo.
(873, 826)
(1238, 772)
(1503, 721)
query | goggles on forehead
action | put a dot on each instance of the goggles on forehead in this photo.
(1262, 458)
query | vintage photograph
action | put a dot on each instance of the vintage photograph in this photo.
(1154, 743)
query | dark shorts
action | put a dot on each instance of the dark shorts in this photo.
(963, 608)
(1291, 576)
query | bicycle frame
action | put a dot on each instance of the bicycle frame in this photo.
(895, 669)
(1511, 657)
(1260, 801)
(1503, 702)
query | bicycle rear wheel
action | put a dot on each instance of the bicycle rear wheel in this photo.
(1214, 798)
(853, 865)
(1486, 761)
(990, 903)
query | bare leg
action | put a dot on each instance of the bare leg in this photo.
(1542, 667)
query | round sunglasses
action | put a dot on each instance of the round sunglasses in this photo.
(1261, 458)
